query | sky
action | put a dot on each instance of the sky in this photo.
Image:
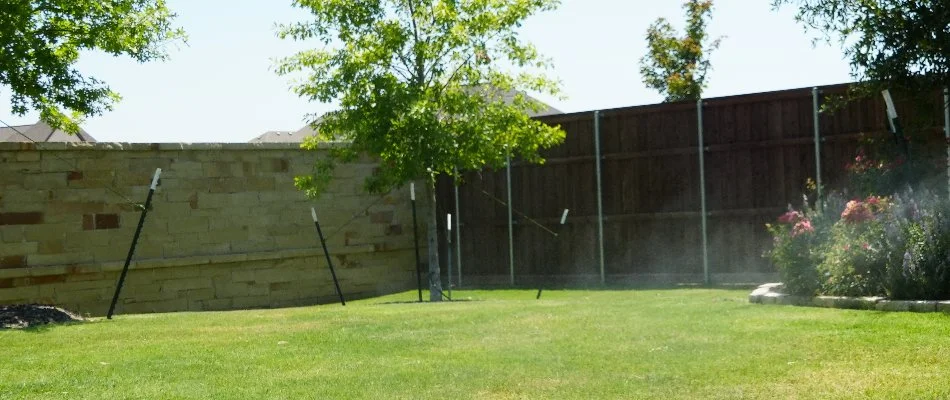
(221, 87)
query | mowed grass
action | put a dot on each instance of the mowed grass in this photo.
(668, 344)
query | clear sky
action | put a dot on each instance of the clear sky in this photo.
(220, 86)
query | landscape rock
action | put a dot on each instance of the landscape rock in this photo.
(770, 293)
(923, 306)
(893, 305)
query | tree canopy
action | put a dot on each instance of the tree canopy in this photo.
(41, 41)
(898, 43)
(422, 84)
(677, 66)
(429, 87)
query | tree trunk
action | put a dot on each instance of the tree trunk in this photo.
(435, 280)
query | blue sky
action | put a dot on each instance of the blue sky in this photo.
(220, 86)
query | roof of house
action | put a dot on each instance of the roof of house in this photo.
(546, 109)
(307, 130)
(279, 137)
(41, 132)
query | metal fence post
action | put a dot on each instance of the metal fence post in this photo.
(946, 130)
(135, 241)
(448, 258)
(600, 198)
(458, 234)
(816, 111)
(415, 238)
(511, 234)
(702, 189)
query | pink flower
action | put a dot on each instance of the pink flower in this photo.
(803, 226)
(791, 217)
(856, 211)
(866, 246)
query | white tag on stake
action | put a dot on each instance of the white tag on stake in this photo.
(158, 172)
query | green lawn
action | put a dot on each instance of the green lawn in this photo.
(668, 344)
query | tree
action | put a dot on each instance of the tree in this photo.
(890, 43)
(677, 66)
(421, 86)
(901, 45)
(41, 41)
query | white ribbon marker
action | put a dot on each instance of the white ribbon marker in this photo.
(158, 172)
(891, 110)
(313, 213)
(449, 222)
(564, 217)
(889, 101)
(412, 191)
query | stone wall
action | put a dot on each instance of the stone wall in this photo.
(227, 228)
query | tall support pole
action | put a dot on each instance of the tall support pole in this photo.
(816, 111)
(511, 225)
(323, 242)
(415, 238)
(458, 235)
(448, 259)
(600, 198)
(946, 130)
(702, 189)
(135, 240)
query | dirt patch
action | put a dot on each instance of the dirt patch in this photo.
(29, 315)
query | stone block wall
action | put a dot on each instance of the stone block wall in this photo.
(227, 228)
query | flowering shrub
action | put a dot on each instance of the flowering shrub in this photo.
(878, 167)
(876, 246)
(797, 249)
(854, 261)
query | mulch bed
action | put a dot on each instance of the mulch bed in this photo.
(30, 315)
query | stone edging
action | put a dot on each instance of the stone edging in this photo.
(176, 262)
(769, 294)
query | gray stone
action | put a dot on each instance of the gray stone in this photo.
(870, 302)
(758, 295)
(943, 306)
(923, 306)
(893, 305)
(774, 287)
(773, 298)
(824, 301)
(796, 300)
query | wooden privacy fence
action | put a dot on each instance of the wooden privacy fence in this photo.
(647, 223)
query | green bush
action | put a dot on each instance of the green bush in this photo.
(922, 270)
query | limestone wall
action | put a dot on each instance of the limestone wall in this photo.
(227, 228)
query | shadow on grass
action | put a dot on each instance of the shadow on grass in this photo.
(612, 287)
(44, 328)
(386, 303)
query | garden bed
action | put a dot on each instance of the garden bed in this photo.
(771, 293)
